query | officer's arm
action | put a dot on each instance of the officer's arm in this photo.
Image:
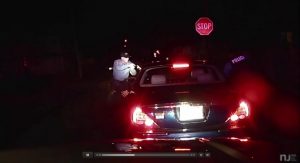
(132, 69)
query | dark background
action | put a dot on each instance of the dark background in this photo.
(100, 27)
(54, 56)
(81, 39)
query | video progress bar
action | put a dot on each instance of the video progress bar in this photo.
(145, 154)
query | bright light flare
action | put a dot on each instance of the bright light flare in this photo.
(181, 65)
(136, 113)
(241, 113)
(253, 87)
(245, 108)
(239, 139)
(149, 122)
(234, 117)
(182, 149)
(187, 139)
(154, 55)
(137, 140)
(244, 140)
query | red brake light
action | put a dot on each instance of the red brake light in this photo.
(244, 108)
(138, 117)
(241, 112)
(180, 65)
(136, 113)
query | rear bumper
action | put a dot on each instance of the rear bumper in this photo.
(192, 134)
(240, 128)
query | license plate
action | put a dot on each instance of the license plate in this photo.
(188, 113)
(159, 115)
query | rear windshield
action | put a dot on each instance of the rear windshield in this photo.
(164, 76)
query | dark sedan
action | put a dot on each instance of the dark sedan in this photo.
(185, 100)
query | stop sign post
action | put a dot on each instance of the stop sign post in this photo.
(204, 26)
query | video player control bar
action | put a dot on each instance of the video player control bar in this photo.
(185, 154)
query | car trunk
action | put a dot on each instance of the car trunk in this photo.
(188, 107)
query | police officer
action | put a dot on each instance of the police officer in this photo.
(122, 68)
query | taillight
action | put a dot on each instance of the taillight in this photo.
(244, 109)
(140, 118)
(241, 113)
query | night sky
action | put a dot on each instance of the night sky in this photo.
(102, 25)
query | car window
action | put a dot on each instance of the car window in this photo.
(164, 76)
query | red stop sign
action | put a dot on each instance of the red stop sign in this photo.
(204, 26)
